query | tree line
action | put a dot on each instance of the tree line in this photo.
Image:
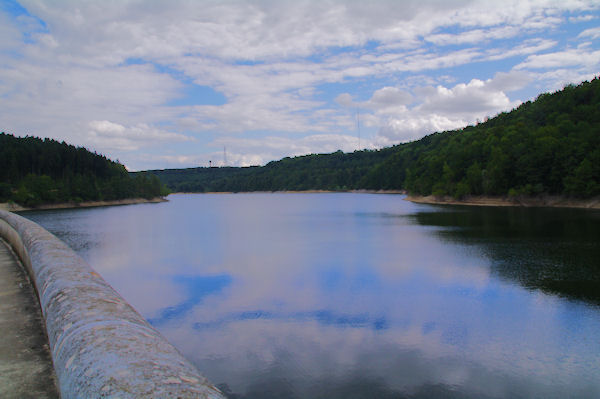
(547, 146)
(336, 171)
(35, 171)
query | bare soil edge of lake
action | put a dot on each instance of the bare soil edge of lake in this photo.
(544, 201)
(87, 204)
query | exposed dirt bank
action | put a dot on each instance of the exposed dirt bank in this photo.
(64, 205)
(545, 201)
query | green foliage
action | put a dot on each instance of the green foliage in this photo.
(548, 146)
(462, 189)
(584, 180)
(35, 171)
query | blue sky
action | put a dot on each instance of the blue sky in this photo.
(160, 84)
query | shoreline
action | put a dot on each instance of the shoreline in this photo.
(300, 192)
(525, 202)
(5, 206)
(546, 201)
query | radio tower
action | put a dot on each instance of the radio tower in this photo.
(358, 126)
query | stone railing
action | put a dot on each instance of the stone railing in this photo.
(100, 345)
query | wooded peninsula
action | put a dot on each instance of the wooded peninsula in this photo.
(36, 172)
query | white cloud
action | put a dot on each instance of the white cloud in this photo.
(509, 81)
(471, 98)
(382, 99)
(528, 47)
(389, 96)
(582, 18)
(441, 108)
(592, 33)
(109, 135)
(560, 59)
(345, 100)
(474, 36)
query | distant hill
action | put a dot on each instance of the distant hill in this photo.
(548, 146)
(35, 172)
(335, 171)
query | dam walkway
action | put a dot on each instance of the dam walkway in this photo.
(25, 364)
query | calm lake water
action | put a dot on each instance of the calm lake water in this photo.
(358, 295)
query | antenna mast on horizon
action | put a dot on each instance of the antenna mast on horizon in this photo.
(224, 156)
(358, 126)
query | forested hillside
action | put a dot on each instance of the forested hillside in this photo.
(551, 145)
(336, 171)
(35, 171)
(548, 146)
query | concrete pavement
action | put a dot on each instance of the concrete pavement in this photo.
(25, 364)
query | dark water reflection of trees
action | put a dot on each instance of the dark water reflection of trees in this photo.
(553, 250)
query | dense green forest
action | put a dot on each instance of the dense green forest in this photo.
(548, 146)
(35, 171)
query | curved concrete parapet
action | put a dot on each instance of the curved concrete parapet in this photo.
(101, 347)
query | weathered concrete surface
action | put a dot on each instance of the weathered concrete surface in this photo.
(25, 365)
(100, 346)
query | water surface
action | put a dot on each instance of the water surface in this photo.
(358, 295)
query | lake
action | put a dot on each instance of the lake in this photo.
(347, 295)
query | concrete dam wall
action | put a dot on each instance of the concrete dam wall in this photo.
(100, 345)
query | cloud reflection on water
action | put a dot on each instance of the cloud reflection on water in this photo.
(196, 288)
(324, 295)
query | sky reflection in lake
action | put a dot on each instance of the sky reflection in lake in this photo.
(356, 295)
